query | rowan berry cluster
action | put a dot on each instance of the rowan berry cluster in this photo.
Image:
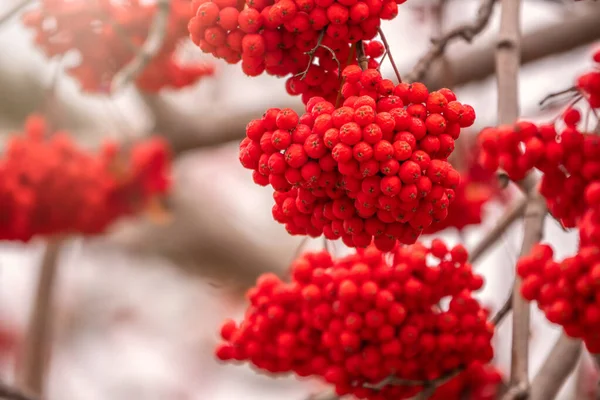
(366, 318)
(477, 187)
(565, 291)
(106, 35)
(567, 156)
(373, 168)
(50, 186)
(478, 382)
(306, 39)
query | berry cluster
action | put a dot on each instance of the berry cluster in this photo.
(589, 84)
(565, 291)
(373, 168)
(568, 158)
(106, 35)
(306, 39)
(477, 187)
(365, 318)
(50, 186)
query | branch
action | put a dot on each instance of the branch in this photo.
(39, 330)
(149, 49)
(11, 393)
(503, 311)
(563, 35)
(363, 61)
(505, 221)
(466, 32)
(559, 364)
(14, 10)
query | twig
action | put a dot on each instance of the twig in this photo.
(466, 32)
(550, 96)
(311, 54)
(11, 393)
(503, 311)
(39, 331)
(149, 49)
(506, 220)
(559, 364)
(389, 54)
(363, 61)
(14, 10)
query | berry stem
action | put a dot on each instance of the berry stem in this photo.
(557, 367)
(342, 79)
(38, 335)
(363, 61)
(149, 49)
(550, 96)
(311, 53)
(389, 54)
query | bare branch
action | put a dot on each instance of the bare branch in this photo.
(14, 10)
(511, 215)
(11, 393)
(39, 330)
(466, 32)
(559, 364)
(503, 311)
(149, 49)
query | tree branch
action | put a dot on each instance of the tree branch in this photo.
(510, 215)
(558, 37)
(558, 365)
(149, 49)
(466, 32)
(11, 393)
(14, 10)
(39, 330)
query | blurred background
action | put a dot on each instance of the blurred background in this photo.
(137, 312)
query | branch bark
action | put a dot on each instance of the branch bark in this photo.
(149, 49)
(558, 365)
(36, 349)
(564, 35)
(466, 32)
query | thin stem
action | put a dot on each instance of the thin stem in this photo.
(466, 32)
(389, 54)
(150, 48)
(503, 311)
(550, 96)
(505, 221)
(311, 53)
(363, 61)
(38, 339)
(14, 10)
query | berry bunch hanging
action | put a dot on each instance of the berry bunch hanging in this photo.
(567, 156)
(477, 187)
(106, 35)
(306, 40)
(374, 168)
(478, 382)
(565, 291)
(588, 84)
(49, 186)
(362, 320)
